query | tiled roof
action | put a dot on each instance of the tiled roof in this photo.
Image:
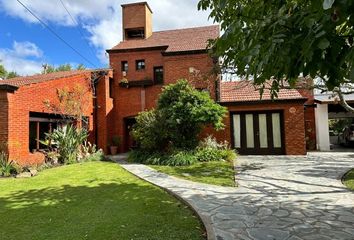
(21, 81)
(179, 40)
(245, 91)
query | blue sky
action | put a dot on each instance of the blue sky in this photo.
(25, 44)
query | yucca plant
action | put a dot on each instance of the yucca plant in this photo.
(6, 166)
(67, 140)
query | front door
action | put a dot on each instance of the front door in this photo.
(257, 133)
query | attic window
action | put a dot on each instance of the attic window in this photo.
(134, 33)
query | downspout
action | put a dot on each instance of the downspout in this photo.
(94, 80)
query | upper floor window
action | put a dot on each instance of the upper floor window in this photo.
(111, 82)
(158, 75)
(140, 64)
(124, 66)
(134, 33)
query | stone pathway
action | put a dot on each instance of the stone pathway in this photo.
(279, 197)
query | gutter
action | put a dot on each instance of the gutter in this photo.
(8, 87)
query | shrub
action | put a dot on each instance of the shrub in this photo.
(175, 158)
(67, 140)
(149, 132)
(181, 113)
(210, 150)
(7, 167)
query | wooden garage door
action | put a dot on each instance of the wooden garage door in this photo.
(255, 133)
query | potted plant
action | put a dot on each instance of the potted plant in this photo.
(124, 83)
(115, 144)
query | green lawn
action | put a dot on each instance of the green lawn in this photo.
(349, 179)
(97, 200)
(217, 173)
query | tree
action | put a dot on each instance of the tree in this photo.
(3, 72)
(181, 113)
(71, 103)
(12, 74)
(285, 39)
(62, 67)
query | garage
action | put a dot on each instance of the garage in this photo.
(261, 125)
(258, 132)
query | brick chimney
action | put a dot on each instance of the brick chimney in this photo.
(137, 21)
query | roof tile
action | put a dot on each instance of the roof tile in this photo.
(179, 40)
(245, 91)
(38, 78)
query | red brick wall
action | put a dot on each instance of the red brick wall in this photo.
(30, 99)
(105, 117)
(129, 102)
(310, 123)
(293, 124)
(3, 117)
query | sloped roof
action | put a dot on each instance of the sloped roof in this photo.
(38, 78)
(179, 40)
(245, 91)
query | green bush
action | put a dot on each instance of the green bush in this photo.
(175, 158)
(181, 113)
(7, 167)
(95, 156)
(210, 150)
(149, 132)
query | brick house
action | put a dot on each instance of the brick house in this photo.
(141, 65)
(25, 118)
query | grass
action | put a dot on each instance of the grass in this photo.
(349, 179)
(217, 173)
(96, 200)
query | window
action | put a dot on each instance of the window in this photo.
(111, 81)
(140, 64)
(124, 66)
(135, 33)
(158, 75)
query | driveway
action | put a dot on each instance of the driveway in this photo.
(279, 197)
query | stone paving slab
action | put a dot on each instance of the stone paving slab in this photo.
(279, 197)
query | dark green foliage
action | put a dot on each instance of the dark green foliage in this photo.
(209, 150)
(181, 113)
(63, 67)
(5, 74)
(285, 39)
(150, 132)
(12, 74)
(174, 158)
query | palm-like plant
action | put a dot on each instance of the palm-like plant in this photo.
(6, 166)
(67, 140)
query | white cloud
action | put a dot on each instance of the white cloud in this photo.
(27, 49)
(24, 58)
(102, 19)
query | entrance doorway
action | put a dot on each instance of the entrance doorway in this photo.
(129, 141)
(258, 133)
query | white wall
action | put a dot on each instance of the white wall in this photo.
(322, 129)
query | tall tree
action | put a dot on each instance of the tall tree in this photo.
(285, 39)
(62, 67)
(12, 74)
(3, 72)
